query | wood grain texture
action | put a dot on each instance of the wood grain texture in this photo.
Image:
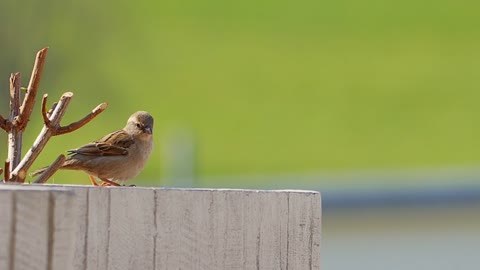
(32, 230)
(36, 228)
(7, 221)
(132, 229)
(159, 228)
(80, 248)
(62, 231)
(237, 229)
(303, 231)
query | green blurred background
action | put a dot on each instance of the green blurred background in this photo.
(261, 87)
(374, 103)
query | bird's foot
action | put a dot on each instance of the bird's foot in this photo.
(92, 180)
(108, 183)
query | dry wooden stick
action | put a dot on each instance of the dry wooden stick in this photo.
(5, 124)
(50, 111)
(20, 172)
(50, 170)
(59, 130)
(7, 171)
(80, 123)
(15, 133)
(45, 113)
(50, 128)
(29, 100)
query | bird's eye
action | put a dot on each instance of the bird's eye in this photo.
(139, 126)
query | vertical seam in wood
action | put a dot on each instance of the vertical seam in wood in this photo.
(312, 230)
(288, 229)
(211, 216)
(280, 235)
(259, 233)
(243, 239)
(13, 232)
(258, 246)
(243, 196)
(109, 216)
(51, 229)
(225, 240)
(155, 233)
(85, 238)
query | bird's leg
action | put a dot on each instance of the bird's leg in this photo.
(92, 179)
(107, 182)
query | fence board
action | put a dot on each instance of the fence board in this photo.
(132, 228)
(7, 205)
(160, 228)
(36, 228)
(303, 231)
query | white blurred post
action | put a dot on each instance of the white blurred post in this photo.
(179, 158)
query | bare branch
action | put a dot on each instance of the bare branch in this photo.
(15, 133)
(5, 124)
(19, 173)
(54, 105)
(7, 171)
(45, 115)
(29, 100)
(15, 93)
(80, 123)
(50, 170)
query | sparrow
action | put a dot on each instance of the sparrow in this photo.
(118, 156)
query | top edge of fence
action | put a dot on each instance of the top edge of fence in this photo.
(69, 186)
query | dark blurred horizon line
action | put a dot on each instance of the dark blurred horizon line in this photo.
(439, 187)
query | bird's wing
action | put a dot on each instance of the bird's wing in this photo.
(113, 144)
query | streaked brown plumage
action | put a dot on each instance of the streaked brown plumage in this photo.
(118, 156)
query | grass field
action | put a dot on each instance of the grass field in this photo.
(265, 87)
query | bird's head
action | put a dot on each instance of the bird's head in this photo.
(140, 124)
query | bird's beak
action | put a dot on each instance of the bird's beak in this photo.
(148, 130)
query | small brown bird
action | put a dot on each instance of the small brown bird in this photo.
(118, 156)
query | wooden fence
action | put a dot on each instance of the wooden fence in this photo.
(84, 228)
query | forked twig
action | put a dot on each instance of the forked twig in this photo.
(50, 170)
(20, 115)
(29, 100)
(16, 169)
(80, 123)
(20, 172)
(51, 128)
